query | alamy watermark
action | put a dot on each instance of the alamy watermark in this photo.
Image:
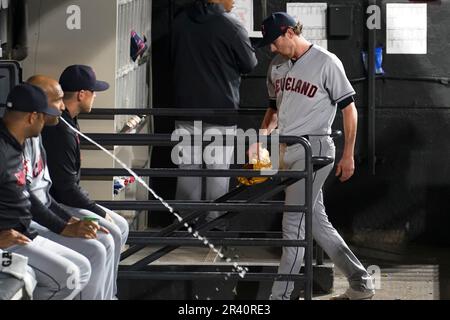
(221, 146)
(73, 21)
(375, 273)
(73, 282)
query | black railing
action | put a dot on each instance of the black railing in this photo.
(239, 200)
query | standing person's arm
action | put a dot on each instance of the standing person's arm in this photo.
(270, 121)
(342, 95)
(346, 166)
(244, 52)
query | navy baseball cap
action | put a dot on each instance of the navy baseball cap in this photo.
(29, 98)
(274, 26)
(79, 77)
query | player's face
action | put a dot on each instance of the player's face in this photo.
(55, 100)
(87, 98)
(37, 122)
(284, 45)
(228, 5)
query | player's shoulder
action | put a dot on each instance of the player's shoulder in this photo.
(320, 53)
(232, 22)
(4, 144)
(230, 18)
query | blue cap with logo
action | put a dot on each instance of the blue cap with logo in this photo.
(29, 98)
(274, 26)
(79, 77)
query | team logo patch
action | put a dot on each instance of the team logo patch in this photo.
(297, 86)
(20, 176)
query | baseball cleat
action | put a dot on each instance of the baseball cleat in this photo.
(352, 294)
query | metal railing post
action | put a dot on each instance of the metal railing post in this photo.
(280, 181)
(308, 220)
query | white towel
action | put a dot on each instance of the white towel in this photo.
(16, 265)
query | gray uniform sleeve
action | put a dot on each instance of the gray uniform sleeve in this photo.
(336, 83)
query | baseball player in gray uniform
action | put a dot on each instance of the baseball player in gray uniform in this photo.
(70, 232)
(307, 84)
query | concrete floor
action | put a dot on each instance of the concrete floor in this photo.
(412, 273)
(401, 282)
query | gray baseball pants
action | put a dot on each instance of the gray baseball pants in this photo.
(323, 232)
(118, 230)
(100, 254)
(61, 273)
(190, 188)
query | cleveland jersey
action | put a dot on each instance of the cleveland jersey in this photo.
(307, 91)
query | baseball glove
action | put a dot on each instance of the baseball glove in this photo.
(262, 162)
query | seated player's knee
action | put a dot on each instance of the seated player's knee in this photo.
(98, 251)
(83, 267)
(107, 241)
(122, 224)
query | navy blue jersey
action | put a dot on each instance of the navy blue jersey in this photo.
(62, 146)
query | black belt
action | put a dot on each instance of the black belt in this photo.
(292, 143)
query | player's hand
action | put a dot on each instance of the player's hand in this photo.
(253, 150)
(104, 230)
(81, 229)
(9, 238)
(345, 169)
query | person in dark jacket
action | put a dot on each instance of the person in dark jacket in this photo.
(62, 145)
(211, 50)
(61, 273)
